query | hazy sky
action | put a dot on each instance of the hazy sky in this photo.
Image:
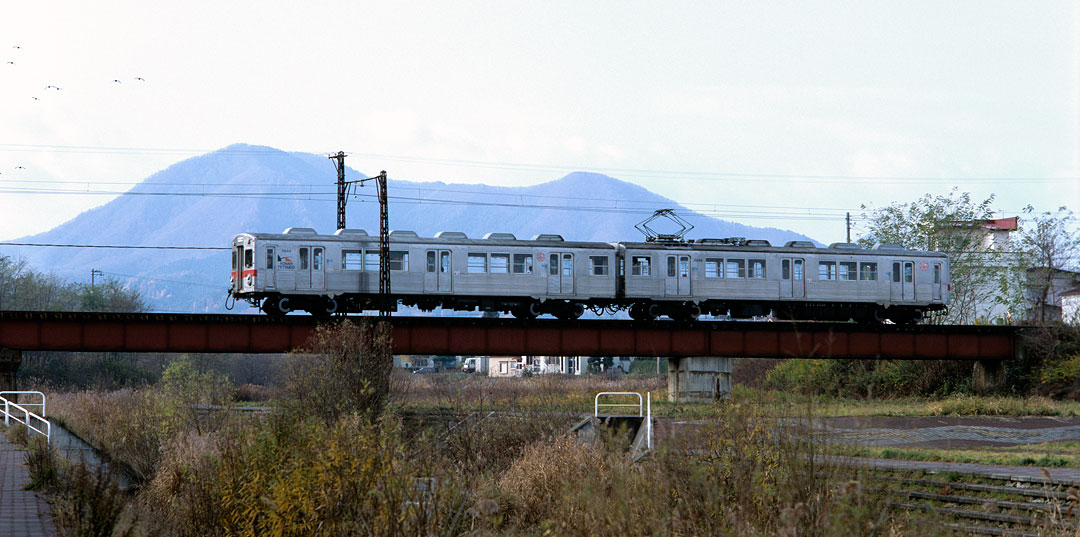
(796, 111)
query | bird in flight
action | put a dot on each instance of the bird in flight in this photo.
(117, 81)
(19, 168)
(11, 63)
(16, 46)
(140, 78)
(57, 88)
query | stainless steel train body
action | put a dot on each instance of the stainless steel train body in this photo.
(325, 274)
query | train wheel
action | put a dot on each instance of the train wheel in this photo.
(652, 311)
(527, 311)
(276, 306)
(330, 307)
(571, 311)
(691, 312)
(269, 307)
(879, 315)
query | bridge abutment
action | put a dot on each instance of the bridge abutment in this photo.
(696, 379)
(10, 360)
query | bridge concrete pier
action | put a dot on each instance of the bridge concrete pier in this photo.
(989, 374)
(10, 360)
(698, 379)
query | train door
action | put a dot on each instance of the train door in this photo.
(318, 268)
(267, 276)
(677, 282)
(792, 278)
(238, 268)
(303, 268)
(560, 273)
(935, 287)
(437, 277)
(566, 281)
(902, 286)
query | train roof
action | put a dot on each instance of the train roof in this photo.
(547, 240)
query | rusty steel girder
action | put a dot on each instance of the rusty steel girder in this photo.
(166, 332)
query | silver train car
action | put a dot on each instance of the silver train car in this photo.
(300, 269)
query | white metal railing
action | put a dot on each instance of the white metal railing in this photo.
(644, 410)
(597, 404)
(20, 414)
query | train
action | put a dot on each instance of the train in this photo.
(302, 270)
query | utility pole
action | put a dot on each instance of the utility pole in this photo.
(848, 227)
(343, 188)
(93, 273)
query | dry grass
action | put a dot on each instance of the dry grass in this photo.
(537, 393)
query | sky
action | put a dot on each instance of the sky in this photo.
(783, 114)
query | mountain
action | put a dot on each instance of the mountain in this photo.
(207, 200)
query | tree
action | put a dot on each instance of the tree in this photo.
(949, 224)
(1049, 243)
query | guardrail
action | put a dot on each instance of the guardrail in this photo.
(20, 414)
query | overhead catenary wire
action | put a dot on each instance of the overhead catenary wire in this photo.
(535, 167)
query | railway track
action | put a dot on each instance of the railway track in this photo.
(978, 505)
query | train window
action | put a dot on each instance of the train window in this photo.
(848, 271)
(316, 258)
(735, 268)
(671, 266)
(826, 270)
(523, 263)
(234, 259)
(399, 260)
(598, 265)
(785, 269)
(500, 263)
(249, 258)
(712, 268)
(797, 270)
(937, 273)
(431, 261)
(640, 265)
(568, 264)
(444, 262)
(371, 261)
(554, 265)
(909, 272)
(477, 263)
(757, 268)
(352, 260)
(270, 259)
(868, 272)
(896, 272)
(303, 259)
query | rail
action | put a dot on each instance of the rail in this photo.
(32, 421)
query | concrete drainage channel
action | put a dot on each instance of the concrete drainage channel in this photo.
(633, 432)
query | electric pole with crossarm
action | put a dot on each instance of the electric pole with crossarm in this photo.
(343, 189)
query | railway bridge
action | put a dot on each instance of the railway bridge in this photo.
(698, 353)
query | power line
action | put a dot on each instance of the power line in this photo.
(535, 167)
(160, 279)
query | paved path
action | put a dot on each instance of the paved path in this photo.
(23, 513)
(948, 432)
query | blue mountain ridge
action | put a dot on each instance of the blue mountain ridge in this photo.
(206, 200)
